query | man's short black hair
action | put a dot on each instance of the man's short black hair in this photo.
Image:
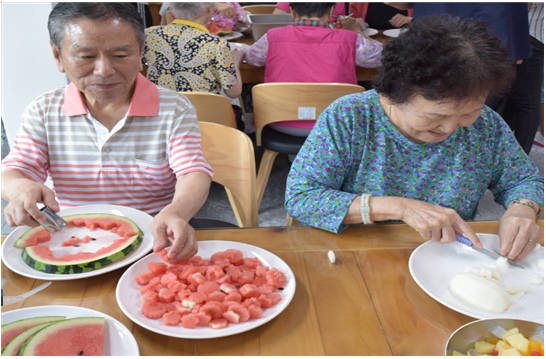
(444, 57)
(311, 9)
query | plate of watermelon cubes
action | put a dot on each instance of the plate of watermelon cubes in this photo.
(227, 288)
(61, 330)
(82, 249)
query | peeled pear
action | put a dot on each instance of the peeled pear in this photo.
(480, 292)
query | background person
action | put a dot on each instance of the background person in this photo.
(422, 147)
(110, 136)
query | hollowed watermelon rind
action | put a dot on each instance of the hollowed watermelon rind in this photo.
(89, 219)
(32, 237)
(24, 323)
(30, 347)
(47, 265)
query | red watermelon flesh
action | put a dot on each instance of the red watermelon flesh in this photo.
(32, 237)
(218, 29)
(71, 337)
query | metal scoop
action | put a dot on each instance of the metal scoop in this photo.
(53, 222)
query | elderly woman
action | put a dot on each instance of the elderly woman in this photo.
(184, 56)
(110, 136)
(422, 147)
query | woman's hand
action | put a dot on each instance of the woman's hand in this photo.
(169, 226)
(435, 222)
(349, 24)
(400, 20)
(517, 228)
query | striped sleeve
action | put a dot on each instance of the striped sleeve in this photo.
(29, 155)
(185, 153)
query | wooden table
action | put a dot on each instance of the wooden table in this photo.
(255, 75)
(365, 304)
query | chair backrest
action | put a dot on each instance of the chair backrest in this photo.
(231, 154)
(169, 16)
(284, 101)
(260, 9)
(212, 108)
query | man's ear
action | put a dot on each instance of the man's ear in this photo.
(57, 56)
(292, 13)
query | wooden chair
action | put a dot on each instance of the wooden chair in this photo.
(231, 154)
(212, 108)
(169, 16)
(260, 9)
(280, 101)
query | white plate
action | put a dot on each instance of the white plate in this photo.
(393, 32)
(13, 260)
(118, 340)
(128, 293)
(232, 35)
(370, 32)
(433, 265)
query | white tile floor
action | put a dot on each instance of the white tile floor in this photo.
(272, 212)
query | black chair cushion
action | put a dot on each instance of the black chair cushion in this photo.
(280, 142)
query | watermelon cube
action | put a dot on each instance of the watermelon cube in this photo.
(154, 310)
(251, 301)
(184, 293)
(218, 323)
(171, 318)
(204, 319)
(166, 295)
(251, 262)
(198, 297)
(216, 297)
(222, 263)
(167, 278)
(187, 272)
(235, 256)
(156, 280)
(245, 279)
(231, 316)
(266, 289)
(261, 271)
(224, 279)
(190, 321)
(275, 278)
(144, 278)
(208, 287)
(214, 309)
(196, 279)
(157, 268)
(86, 239)
(149, 297)
(66, 244)
(255, 311)
(182, 310)
(147, 288)
(215, 272)
(176, 286)
(249, 290)
(241, 310)
(233, 297)
(74, 240)
(259, 281)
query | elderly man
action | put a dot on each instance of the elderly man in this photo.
(184, 56)
(110, 136)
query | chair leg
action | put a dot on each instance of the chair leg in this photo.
(236, 209)
(290, 222)
(263, 174)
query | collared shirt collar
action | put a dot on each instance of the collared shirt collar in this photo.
(315, 23)
(145, 101)
(190, 23)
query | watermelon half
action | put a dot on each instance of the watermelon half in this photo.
(11, 330)
(40, 257)
(71, 337)
(12, 348)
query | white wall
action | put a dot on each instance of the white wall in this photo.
(28, 67)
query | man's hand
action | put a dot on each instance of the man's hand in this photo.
(226, 10)
(169, 226)
(24, 195)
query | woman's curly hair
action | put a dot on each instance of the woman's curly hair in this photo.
(443, 57)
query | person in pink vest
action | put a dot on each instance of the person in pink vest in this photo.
(309, 51)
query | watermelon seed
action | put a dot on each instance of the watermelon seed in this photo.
(80, 353)
(73, 237)
(281, 288)
(237, 286)
(93, 239)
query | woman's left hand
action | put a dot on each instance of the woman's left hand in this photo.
(399, 20)
(226, 10)
(517, 229)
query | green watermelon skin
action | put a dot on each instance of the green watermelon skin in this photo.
(71, 337)
(47, 266)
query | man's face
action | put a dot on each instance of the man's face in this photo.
(102, 58)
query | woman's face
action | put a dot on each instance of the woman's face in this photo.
(425, 121)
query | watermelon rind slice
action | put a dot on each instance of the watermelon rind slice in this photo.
(79, 330)
(12, 348)
(97, 217)
(41, 259)
(29, 238)
(20, 326)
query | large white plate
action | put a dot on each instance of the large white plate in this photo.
(118, 340)
(13, 260)
(433, 265)
(393, 32)
(232, 35)
(370, 32)
(128, 293)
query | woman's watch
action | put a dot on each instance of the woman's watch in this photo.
(526, 202)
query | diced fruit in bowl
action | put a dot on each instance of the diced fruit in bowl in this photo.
(226, 290)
